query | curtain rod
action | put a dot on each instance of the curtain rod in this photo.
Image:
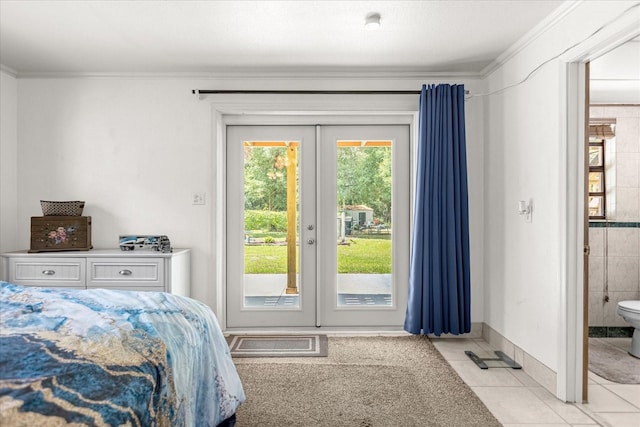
(311, 92)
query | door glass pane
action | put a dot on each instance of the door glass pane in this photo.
(596, 206)
(595, 182)
(595, 155)
(271, 206)
(364, 224)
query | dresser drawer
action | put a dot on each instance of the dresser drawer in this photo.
(47, 272)
(100, 268)
(131, 288)
(115, 272)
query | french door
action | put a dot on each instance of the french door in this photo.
(317, 225)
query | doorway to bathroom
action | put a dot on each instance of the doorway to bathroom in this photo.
(612, 215)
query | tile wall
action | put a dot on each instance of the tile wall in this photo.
(615, 247)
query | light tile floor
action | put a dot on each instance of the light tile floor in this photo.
(515, 399)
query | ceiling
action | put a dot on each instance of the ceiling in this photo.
(85, 37)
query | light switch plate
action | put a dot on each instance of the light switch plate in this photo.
(198, 198)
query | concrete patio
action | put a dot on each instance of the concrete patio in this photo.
(353, 289)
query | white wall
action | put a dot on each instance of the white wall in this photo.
(524, 135)
(615, 77)
(136, 148)
(522, 259)
(8, 161)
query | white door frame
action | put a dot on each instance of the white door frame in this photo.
(287, 110)
(318, 306)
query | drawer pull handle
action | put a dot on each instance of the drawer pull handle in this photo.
(48, 272)
(125, 272)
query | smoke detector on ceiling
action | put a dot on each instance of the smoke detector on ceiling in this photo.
(372, 21)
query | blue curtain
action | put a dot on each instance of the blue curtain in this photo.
(439, 289)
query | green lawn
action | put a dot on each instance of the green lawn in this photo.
(363, 256)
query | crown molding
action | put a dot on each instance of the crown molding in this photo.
(302, 74)
(543, 26)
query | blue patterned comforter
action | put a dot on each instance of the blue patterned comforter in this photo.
(104, 357)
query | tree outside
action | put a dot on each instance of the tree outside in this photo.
(363, 178)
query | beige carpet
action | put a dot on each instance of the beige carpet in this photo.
(613, 363)
(364, 382)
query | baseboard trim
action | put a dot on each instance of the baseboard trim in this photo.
(541, 373)
(476, 332)
(610, 331)
(538, 371)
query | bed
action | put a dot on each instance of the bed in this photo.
(108, 357)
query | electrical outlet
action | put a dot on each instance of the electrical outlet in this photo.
(198, 198)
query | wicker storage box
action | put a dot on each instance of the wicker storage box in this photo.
(60, 233)
(68, 208)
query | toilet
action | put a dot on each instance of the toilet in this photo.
(630, 311)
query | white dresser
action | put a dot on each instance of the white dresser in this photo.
(101, 268)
